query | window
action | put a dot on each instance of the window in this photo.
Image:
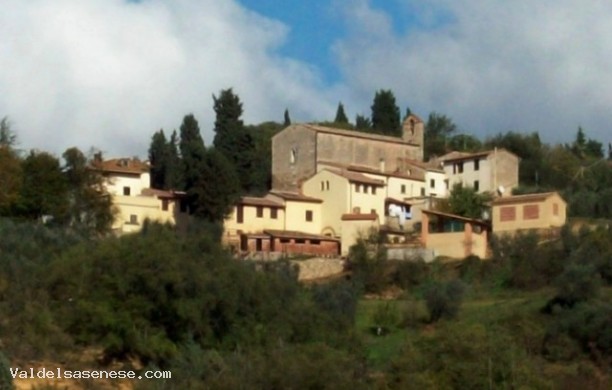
(300, 241)
(273, 213)
(432, 183)
(308, 215)
(454, 168)
(373, 190)
(126, 191)
(531, 211)
(555, 209)
(422, 191)
(356, 210)
(133, 219)
(357, 187)
(285, 241)
(315, 242)
(403, 189)
(240, 214)
(259, 211)
(372, 211)
(165, 204)
(446, 184)
(327, 185)
(476, 164)
(507, 214)
(476, 185)
(322, 185)
(460, 167)
(365, 189)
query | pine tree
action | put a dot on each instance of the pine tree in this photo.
(192, 151)
(287, 119)
(231, 138)
(386, 114)
(340, 115)
(362, 123)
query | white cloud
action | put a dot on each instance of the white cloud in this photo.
(492, 66)
(108, 73)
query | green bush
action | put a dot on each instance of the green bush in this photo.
(444, 299)
(385, 318)
(6, 379)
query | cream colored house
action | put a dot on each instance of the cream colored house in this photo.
(303, 213)
(543, 211)
(154, 205)
(493, 171)
(281, 223)
(253, 214)
(124, 176)
(454, 236)
(127, 181)
(355, 226)
(344, 192)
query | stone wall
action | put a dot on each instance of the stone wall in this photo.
(293, 157)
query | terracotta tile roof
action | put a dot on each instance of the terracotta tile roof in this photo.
(162, 193)
(524, 198)
(456, 217)
(457, 156)
(294, 196)
(297, 234)
(359, 217)
(356, 177)
(432, 165)
(256, 201)
(354, 134)
(414, 175)
(122, 165)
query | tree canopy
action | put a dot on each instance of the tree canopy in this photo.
(386, 114)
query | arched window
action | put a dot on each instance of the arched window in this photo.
(293, 156)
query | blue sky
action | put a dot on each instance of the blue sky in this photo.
(109, 73)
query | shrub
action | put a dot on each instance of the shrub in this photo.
(410, 273)
(444, 299)
(6, 379)
(385, 318)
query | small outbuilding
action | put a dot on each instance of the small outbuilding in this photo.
(544, 212)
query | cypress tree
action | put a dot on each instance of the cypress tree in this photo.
(340, 115)
(173, 175)
(231, 138)
(287, 119)
(217, 188)
(386, 114)
(362, 123)
(192, 151)
(158, 159)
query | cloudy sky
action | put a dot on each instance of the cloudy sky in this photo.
(108, 73)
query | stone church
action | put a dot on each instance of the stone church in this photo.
(301, 150)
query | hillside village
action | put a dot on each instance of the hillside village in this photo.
(376, 240)
(332, 186)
